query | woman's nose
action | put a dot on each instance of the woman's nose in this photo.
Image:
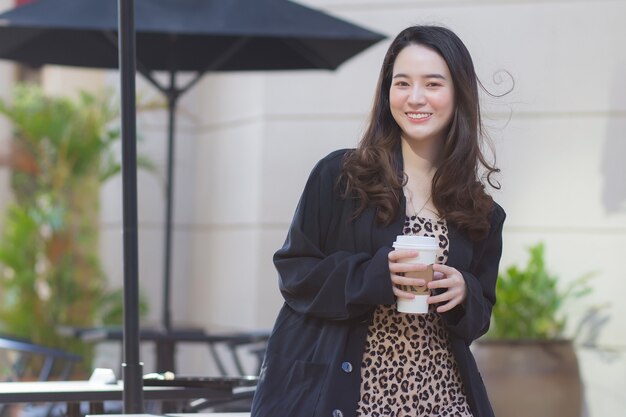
(417, 95)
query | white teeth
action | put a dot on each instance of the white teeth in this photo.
(417, 115)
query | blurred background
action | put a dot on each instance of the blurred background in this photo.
(246, 143)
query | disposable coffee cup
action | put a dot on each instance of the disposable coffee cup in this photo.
(427, 247)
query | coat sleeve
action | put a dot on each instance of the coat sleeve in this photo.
(331, 284)
(472, 319)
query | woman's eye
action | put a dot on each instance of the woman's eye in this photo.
(401, 83)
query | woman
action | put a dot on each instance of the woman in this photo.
(339, 347)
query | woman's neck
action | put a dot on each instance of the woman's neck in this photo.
(420, 165)
(419, 159)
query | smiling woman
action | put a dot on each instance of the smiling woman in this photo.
(340, 347)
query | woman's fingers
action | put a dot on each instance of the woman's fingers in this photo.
(398, 254)
(451, 294)
(452, 282)
(447, 300)
(396, 267)
(402, 280)
(449, 305)
(445, 277)
(438, 275)
(402, 294)
(445, 269)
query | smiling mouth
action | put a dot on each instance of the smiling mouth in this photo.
(418, 116)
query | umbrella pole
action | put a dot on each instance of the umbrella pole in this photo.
(132, 368)
(172, 95)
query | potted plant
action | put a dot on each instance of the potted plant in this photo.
(62, 151)
(527, 362)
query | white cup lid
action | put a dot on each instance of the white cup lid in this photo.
(416, 241)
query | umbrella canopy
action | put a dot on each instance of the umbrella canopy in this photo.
(173, 36)
(185, 35)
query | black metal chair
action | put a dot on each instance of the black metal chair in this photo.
(238, 354)
(234, 354)
(21, 359)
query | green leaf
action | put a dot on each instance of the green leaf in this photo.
(529, 300)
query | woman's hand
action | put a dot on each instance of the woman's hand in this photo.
(452, 282)
(397, 267)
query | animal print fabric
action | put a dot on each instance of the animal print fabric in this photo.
(408, 369)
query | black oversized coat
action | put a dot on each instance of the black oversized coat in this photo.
(333, 273)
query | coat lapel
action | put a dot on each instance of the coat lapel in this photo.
(461, 250)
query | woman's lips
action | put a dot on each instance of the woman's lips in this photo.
(418, 117)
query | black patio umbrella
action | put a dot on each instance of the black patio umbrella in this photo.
(199, 36)
(181, 35)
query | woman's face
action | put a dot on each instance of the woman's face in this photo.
(421, 95)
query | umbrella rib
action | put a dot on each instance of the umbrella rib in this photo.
(219, 61)
(213, 65)
(216, 63)
(112, 39)
(309, 54)
(193, 82)
(146, 73)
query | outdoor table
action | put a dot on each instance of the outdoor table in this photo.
(165, 341)
(179, 415)
(72, 393)
(206, 415)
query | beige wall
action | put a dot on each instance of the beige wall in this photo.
(246, 143)
(557, 135)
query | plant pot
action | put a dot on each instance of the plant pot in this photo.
(531, 378)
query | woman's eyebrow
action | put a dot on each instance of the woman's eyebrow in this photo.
(439, 76)
(435, 75)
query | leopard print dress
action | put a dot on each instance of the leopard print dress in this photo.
(408, 369)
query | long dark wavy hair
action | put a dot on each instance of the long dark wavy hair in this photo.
(370, 171)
